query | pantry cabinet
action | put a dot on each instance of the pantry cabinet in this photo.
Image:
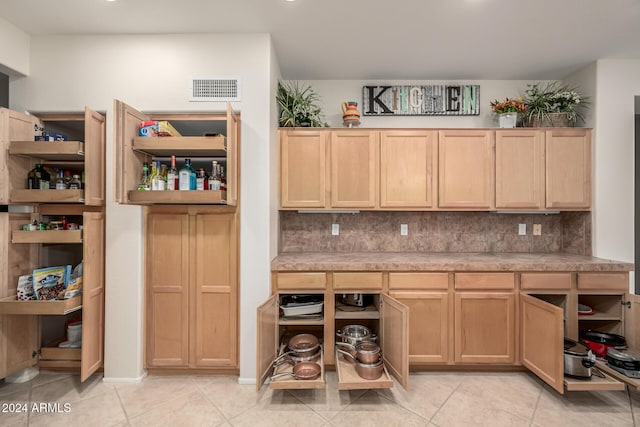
(191, 256)
(206, 137)
(23, 342)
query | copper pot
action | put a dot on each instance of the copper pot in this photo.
(368, 371)
(365, 352)
(302, 371)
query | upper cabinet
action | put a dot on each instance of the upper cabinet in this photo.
(206, 137)
(354, 169)
(466, 169)
(82, 153)
(568, 163)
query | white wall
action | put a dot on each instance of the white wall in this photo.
(151, 73)
(14, 49)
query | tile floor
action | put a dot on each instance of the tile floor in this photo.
(434, 399)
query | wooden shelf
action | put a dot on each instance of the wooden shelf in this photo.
(47, 196)
(47, 236)
(631, 382)
(370, 312)
(594, 384)
(178, 197)
(51, 351)
(289, 382)
(10, 305)
(43, 150)
(314, 321)
(589, 317)
(348, 378)
(182, 146)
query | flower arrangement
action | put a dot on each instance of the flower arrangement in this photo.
(514, 105)
(542, 101)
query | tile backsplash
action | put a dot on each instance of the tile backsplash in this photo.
(568, 232)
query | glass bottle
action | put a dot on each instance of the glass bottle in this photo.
(192, 179)
(74, 183)
(163, 177)
(214, 179)
(67, 178)
(223, 180)
(172, 175)
(152, 176)
(60, 184)
(156, 178)
(201, 178)
(45, 177)
(144, 182)
(184, 176)
(33, 178)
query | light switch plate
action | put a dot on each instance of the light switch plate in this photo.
(522, 229)
(537, 229)
(335, 229)
(404, 230)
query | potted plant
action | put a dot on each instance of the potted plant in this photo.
(507, 111)
(297, 104)
(553, 104)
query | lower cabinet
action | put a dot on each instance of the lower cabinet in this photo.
(191, 287)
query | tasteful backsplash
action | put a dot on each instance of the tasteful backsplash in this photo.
(568, 232)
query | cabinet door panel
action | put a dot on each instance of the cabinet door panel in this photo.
(215, 297)
(167, 257)
(485, 327)
(92, 294)
(407, 168)
(519, 169)
(394, 340)
(233, 148)
(267, 337)
(128, 162)
(465, 169)
(14, 126)
(568, 158)
(354, 169)
(94, 153)
(303, 169)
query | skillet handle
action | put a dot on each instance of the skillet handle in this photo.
(282, 374)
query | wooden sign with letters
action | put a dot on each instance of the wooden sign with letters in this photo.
(421, 100)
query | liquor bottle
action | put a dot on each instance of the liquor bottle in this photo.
(163, 177)
(184, 176)
(223, 179)
(157, 181)
(214, 178)
(144, 182)
(45, 177)
(67, 178)
(201, 178)
(60, 185)
(192, 179)
(74, 183)
(172, 175)
(33, 178)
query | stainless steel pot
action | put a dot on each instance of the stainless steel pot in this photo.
(578, 359)
(355, 334)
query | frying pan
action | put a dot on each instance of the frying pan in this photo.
(301, 371)
(301, 346)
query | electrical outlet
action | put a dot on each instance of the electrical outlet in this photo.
(404, 230)
(537, 229)
(335, 229)
(522, 229)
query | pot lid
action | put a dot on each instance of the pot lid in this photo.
(575, 348)
(624, 355)
(603, 338)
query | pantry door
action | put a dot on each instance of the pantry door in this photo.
(128, 163)
(233, 141)
(94, 157)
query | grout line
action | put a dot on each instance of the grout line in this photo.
(633, 417)
(445, 402)
(29, 411)
(126, 416)
(197, 384)
(535, 408)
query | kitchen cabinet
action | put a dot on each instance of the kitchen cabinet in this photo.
(354, 169)
(304, 169)
(132, 151)
(520, 169)
(408, 168)
(22, 341)
(568, 168)
(465, 169)
(430, 307)
(386, 317)
(191, 256)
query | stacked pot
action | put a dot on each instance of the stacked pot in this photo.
(358, 346)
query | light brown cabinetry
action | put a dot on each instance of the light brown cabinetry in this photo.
(568, 168)
(21, 342)
(354, 169)
(191, 287)
(465, 169)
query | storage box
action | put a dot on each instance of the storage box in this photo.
(49, 135)
(51, 282)
(157, 128)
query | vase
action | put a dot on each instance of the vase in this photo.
(350, 114)
(507, 120)
(550, 120)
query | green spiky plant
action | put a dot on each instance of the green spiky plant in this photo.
(553, 97)
(297, 104)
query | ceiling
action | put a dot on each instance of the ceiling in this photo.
(374, 39)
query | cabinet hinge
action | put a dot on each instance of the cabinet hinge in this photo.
(35, 353)
(626, 303)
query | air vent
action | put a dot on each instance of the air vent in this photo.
(214, 89)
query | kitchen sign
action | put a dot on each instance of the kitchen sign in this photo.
(421, 100)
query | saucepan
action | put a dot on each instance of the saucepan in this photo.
(355, 334)
(368, 371)
(302, 346)
(292, 358)
(302, 371)
(365, 352)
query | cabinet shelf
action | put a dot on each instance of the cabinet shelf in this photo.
(314, 321)
(631, 382)
(51, 351)
(178, 197)
(587, 318)
(348, 378)
(43, 150)
(370, 312)
(10, 305)
(289, 382)
(47, 196)
(47, 236)
(594, 384)
(182, 146)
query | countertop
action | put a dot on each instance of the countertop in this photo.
(442, 261)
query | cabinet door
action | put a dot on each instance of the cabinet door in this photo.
(167, 273)
(465, 173)
(430, 318)
(92, 294)
(543, 353)
(233, 147)
(394, 339)
(14, 126)
(215, 296)
(485, 327)
(519, 169)
(568, 158)
(354, 169)
(94, 154)
(303, 169)
(407, 168)
(267, 344)
(128, 162)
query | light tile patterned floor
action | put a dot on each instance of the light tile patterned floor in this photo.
(434, 399)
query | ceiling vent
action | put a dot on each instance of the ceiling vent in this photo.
(213, 89)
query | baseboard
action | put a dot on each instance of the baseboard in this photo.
(124, 380)
(246, 381)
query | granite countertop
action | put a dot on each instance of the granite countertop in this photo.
(442, 261)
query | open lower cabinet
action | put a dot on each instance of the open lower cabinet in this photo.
(542, 341)
(386, 317)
